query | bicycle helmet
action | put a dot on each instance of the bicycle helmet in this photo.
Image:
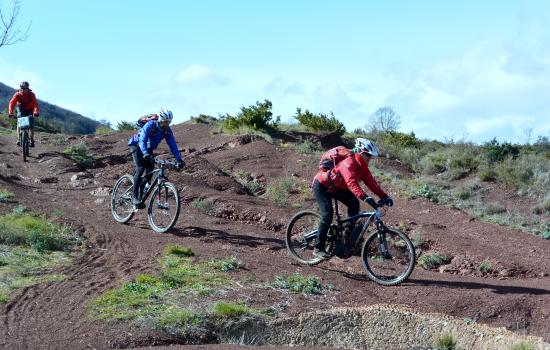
(24, 85)
(367, 146)
(165, 115)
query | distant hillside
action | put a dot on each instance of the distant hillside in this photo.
(64, 120)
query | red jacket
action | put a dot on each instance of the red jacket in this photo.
(27, 102)
(347, 175)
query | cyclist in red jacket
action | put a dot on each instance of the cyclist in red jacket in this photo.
(26, 101)
(343, 184)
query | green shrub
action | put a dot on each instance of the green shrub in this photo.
(308, 147)
(103, 130)
(298, 283)
(430, 192)
(203, 204)
(467, 190)
(445, 342)
(541, 208)
(543, 231)
(487, 173)
(320, 122)
(126, 126)
(174, 317)
(485, 267)
(4, 298)
(494, 208)
(178, 250)
(203, 119)
(497, 152)
(5, 195)
(402, 140)
(79, 154)
(246, 179)
(278, 192)
(225, 265)
(433, 260)
(230, 310)
(256, 117)
(147, 279)
(523, 346)
(434, 163)
(35, 232)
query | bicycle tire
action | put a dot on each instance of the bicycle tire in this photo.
(162, 206)
(116, 201)
(401, 254)
(300, 247)
(25, 145)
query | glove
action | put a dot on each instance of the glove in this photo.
(370, 201)
(386, 201)
(10, 116)
(149, 158)
(36, 114)
(180, 164)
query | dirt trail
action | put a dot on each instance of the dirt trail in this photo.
(54, 315)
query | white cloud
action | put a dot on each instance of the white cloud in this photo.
(197, 73)
(12, 75)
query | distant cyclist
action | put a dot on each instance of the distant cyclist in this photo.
(27, 103)
(343, 184)
(145, 142)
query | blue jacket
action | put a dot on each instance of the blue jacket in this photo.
(149, 137)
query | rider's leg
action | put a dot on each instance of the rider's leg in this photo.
(350, 200)
(137, 155)
(324, 200)
(31, 122)
(18, 136)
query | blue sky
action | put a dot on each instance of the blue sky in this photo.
(452, 70)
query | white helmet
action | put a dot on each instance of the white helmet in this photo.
(165, 115)
(367, 146)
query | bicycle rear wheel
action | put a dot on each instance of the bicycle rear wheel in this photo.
(25, 145)
(164, 207)
(388, 256)
(121, 199)
(302, 236)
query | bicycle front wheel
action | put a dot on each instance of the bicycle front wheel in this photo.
(388, 256)
(302, 236)
(164, 207)
(121, 199)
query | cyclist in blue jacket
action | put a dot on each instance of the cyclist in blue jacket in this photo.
(144, 143)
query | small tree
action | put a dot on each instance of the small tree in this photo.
(257, 117)
(384, 119)
(125, 126)
(9, 32)
(320, 122)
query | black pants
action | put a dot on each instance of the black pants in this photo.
(324, 200)
(141, 166)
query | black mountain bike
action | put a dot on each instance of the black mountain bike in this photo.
(388, 254)
(163, 207)
(24, 126)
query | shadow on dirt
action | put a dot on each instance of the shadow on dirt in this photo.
(250, 241)
(475, 285)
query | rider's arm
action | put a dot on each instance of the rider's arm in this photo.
(171, 141)
(144, 135)
(350, 174)
(13, 102)
(371, 183)
(34, 103)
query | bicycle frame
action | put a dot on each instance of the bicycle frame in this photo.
(371, 215)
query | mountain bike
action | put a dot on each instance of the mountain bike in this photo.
(388, 254)
(24, 125)
(163, 207)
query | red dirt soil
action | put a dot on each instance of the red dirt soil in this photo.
(516, 296)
